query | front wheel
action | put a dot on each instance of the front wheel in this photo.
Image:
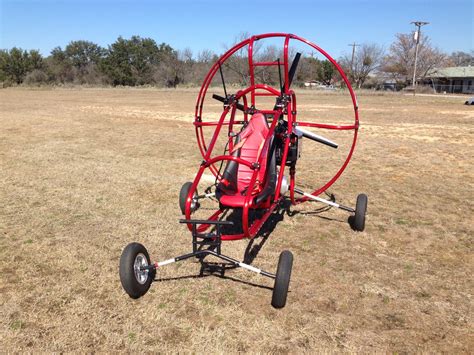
(282, 280)
(134, 279)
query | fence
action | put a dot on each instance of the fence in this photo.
(450, 88)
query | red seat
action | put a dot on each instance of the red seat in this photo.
(249, 144)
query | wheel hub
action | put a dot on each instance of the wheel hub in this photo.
(140, 274)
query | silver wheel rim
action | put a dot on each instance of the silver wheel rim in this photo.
(140, 275)
(193, 203)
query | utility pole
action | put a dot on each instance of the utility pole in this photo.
(353, 45)
(417, 35)
(311, 68)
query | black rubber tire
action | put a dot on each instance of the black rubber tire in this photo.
(183, 195)
(358, 221)
(282, 280)
(129, 282)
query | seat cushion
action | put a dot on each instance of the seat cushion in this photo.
(236, 200)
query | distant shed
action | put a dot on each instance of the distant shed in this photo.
(452, 80)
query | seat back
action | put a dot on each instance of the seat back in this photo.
(248, 145)
(251, 144)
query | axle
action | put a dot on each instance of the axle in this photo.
(201, 254)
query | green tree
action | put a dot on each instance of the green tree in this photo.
(60, 66)
(84, 53)
(131, 61)
(171, 69)
(36, 61)
(84, 57)
(16, 63)
(325, 72)
(3, 61)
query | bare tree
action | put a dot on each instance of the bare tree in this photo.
(399, 62)
(205, 59)
(186, 63)
(205, 56)
(461, 59)
(238, 62)
(367, 59)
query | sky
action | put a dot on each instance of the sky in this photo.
(211, 24)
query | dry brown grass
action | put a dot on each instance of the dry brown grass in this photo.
(84, 172)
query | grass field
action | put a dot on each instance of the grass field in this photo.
(83, 172)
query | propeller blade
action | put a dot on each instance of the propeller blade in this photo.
(293, 67)
(300, 132)
(292, 71)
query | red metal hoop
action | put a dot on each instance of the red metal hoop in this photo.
(199, 123)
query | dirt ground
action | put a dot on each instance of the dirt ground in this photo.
(83, 172)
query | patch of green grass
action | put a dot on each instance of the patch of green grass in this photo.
(16, 325)
(206, 300)
(401, 222)
(230, 295)
(132, 337)
(29, 241)
(323, 236)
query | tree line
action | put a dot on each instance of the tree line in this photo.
(141, 61)
(131, 62)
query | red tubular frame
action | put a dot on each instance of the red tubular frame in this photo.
(206, 150)
(248, 231)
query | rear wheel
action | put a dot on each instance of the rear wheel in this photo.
(282, 280)
(135, 281)
(183, 195)
(358, 220)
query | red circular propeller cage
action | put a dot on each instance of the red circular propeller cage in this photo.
(199, 124)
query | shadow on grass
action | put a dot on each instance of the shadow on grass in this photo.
(317, 212)
(255, 245)
(217, 270)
